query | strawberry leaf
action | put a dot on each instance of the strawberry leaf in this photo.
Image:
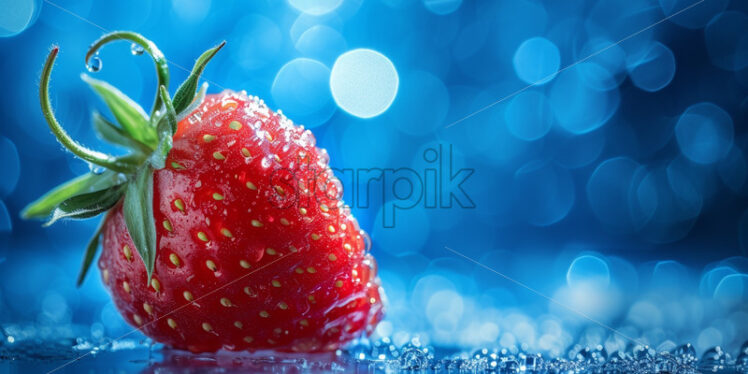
(186, 91)
(115, 135)
(128, 113)
(166, 128)
(91, 248)
(87, 205)
(195, 103)
(138, 211)
(45, 205)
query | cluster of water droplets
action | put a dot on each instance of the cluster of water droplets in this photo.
(94, 64)
(364, 355)
(414, 356)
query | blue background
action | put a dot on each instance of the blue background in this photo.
(617, 185)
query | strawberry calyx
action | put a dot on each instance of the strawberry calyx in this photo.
(127, 178)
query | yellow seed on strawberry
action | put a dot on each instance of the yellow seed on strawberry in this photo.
(128, 253)
(174, 259)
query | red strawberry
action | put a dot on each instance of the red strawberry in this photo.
(231, 233)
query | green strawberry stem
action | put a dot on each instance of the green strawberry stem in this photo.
(110, 162)
(166, 128)
(129, 176)
(162, 68)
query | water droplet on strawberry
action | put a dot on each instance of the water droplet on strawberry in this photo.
(265, 162)
(195, 118)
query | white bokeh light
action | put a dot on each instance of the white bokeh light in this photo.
(364, 82)
(191, 11)
(315, 7)
(17, 16)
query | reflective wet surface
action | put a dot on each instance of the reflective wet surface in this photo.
(27, 349)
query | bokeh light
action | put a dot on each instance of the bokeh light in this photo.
(691, 14)
(609, 192)
(6, 224)
(607, 54)
(537, 60)
(301, 89)
(578, 106)
(423, 103)
(575, 151)
(322, 43)
(704, 133)
(442, 7)
(544, 192)
(588, 269)
(191, 11)
(364, 82)
(726, 44)
(11, 166)
(733, 170)
(652, 68)
(258, 41)
(17, 16)
(529, 116)
(732, 290)
(598, 77)
(315, 7)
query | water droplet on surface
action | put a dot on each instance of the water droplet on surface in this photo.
(458, 364)
(413, 358)
(439, 365)
(685, 354)
(510, 366)
(533, 363)
(665, 363)
(713, 360)
(136, 49)
(741, 363)
(359, 350)
(383, 349)
(94, 64)
(642, 352)
(481, 353)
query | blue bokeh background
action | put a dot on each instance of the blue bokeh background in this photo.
(617, 185)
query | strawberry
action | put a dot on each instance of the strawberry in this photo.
(223, 227)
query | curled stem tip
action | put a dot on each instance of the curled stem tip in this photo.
(162, 67)
(62, 136)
